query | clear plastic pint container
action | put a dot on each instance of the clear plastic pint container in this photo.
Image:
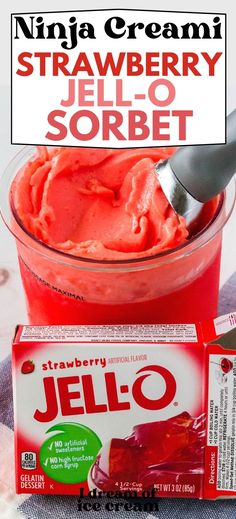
(179, 285)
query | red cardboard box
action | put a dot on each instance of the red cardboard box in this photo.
(137, 409)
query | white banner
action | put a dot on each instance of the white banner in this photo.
(118, 78)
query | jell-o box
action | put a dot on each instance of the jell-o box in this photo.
(126, 408)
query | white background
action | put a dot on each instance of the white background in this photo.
(12, 310)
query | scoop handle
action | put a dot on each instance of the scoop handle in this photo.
(205, 171)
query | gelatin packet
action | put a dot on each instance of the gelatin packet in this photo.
(126, 409)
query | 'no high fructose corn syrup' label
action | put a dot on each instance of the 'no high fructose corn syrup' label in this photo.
(68, 455)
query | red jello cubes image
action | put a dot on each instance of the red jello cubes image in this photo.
(156, 455)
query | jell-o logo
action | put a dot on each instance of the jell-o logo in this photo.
(59, 397)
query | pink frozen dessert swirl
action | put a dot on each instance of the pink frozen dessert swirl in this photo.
(101, 204)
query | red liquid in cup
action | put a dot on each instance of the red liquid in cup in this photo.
(196, 301)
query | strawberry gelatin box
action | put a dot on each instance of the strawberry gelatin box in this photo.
(126, 408)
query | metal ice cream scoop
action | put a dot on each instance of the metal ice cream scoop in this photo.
(195, 174)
